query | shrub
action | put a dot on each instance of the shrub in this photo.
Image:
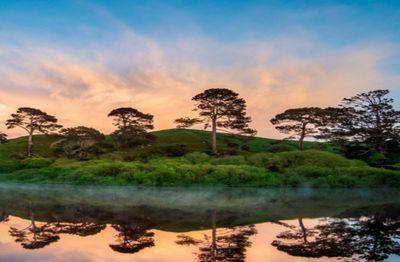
(7, 166)
(245, 148)
(229, 160)
(269, 161)
(276, 148)
(58, 147)
(197, 157)
(317, 158)
(377, 159)
(36, 162)
(97, 168)
(174, 150)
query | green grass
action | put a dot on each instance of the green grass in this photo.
(306, 168)
(187, 139)
(262, 163)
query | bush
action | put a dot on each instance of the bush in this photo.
(317, 158)
(377, 159)
(58, 147)
(245, 148)
(174, 150)
(98, 168)
(229, 160)
(197, 157)
(269, 161)
(36, 162)
(276, 148)
(7, 166)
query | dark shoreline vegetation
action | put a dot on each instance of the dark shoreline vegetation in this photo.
(179, 158)
(360, 148)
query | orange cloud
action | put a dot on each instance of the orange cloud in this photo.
(159, 78)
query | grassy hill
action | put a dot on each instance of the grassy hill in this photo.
(185, 140)
(178, 157)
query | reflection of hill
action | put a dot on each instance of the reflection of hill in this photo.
(175, 209)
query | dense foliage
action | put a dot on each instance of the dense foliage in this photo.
(79, 141)
(132, 127)
(3, 138)
(300, 122)
(293, 168)
(367, 124)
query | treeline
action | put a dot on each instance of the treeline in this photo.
(363, 126)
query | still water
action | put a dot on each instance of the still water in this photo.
(62, 223)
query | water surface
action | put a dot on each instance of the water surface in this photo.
(64, 223)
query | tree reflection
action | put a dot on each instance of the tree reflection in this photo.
(132, 238)
(371, 238)
(81, 229)
(4, 217)
(38, 236)
(224, 245)
(33, 236)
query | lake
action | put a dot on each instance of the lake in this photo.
(66, 223)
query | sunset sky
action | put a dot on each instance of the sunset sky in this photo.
(77, 60)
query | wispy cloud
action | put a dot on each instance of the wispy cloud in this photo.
(80, 86)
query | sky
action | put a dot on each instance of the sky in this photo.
(78, 60)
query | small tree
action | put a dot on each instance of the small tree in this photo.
(3, 138)
(132, 136)
(222, 108)
(300, 122)
(186, 122)
(127, 116)
(83, 137)
(133, 126)
(33, 121)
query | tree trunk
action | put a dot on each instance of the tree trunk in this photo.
(30, 144)
(303, 230)
(214, 137)
(214, 235)
(82, 153)
(302, 136)
(33, 226)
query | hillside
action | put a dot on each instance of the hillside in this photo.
(170, 140)
(178, 157)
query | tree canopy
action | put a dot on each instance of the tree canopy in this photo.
(128, 116)
(133, 126)
(3, 138)
(186, 122)
(33, 121)
(367, 120)
(81, 139)
(223, 110)
(300, 122)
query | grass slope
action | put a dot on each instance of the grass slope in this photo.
(261, 164)
(191, 140)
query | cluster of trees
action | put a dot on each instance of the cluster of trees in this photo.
(132, 126)
(361, 125)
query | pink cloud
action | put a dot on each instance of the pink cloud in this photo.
(160, 78)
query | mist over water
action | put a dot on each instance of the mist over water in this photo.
(97, 223)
